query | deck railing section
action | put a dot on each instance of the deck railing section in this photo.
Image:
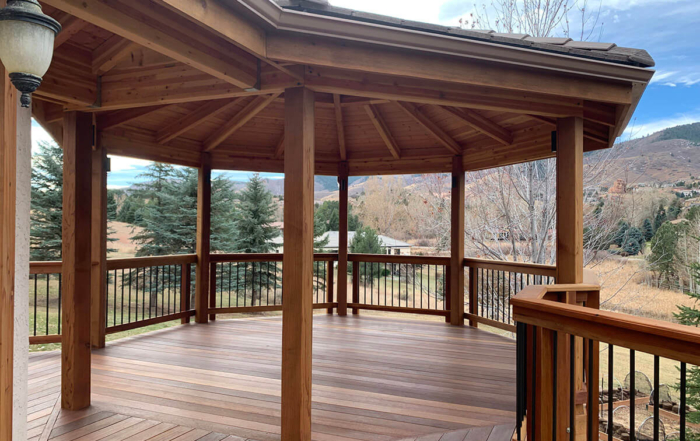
(411, 284)
(561, 336)
(44, 302)
(490, 284)
(148, 290)
(241, 283)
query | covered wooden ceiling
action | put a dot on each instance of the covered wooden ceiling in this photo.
(165, 87)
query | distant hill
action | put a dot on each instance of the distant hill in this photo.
(667, 156)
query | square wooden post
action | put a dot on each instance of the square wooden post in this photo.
(8, 175)
(343, 239)
(457, 244)
(99, 247)
(298, 264)
(77, 260)
(201, 299)
(570, 200)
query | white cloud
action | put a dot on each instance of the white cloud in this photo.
(658, 76)
(122, 163)
(639, 130)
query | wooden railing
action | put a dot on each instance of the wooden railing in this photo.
(559, 333)
(44, 302)
(491, 284)
(241, 283)
(409, 284)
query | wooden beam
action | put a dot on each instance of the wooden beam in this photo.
(203, 240)
(98, 315)
(69, 27)
(8, 177)
(77, 260)
(279, 150)
(106, 121)
(457, 243)
(203, 113)
(482, 124)
(570, 200)
(144, 30)
(298, 264)
(340, 127)
(343, 239)
(318, 50)
(110, 53)
(383, 130)
(224, 21)
(142, 145)
(430, 127)
(253, 108)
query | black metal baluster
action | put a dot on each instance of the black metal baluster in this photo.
(633, 394)
(35, 300)
(371, 284)
(682, 391)
(611, 357)
(48, 301)
(130, 296)
(245, 283)
(657, 405)
(414, 285)
(114, 303)
(59, 302)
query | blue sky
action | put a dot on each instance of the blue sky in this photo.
(668, 29)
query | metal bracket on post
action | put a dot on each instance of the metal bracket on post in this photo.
(554, 141)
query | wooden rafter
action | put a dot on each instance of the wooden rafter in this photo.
(430, 127)
(193, 119)
(279, 149)
(340, 127)
(115, 119)
(168, 41)
(482, 124)
(383, 130)
(69, 26)
(111, 52)
(588, 132)
(238, 121)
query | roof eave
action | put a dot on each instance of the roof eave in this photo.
(297, 21)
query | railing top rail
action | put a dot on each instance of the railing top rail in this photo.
(143, 262)
(264, 257)
(516, 267)
(536, 305)
(49, 267)
(390, 258)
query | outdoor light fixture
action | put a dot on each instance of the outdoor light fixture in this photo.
(26, 44)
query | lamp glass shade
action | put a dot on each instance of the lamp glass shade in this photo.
(26, 47)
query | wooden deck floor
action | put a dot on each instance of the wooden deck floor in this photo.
(374, 379)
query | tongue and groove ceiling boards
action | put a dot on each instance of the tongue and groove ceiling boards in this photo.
(171, 79)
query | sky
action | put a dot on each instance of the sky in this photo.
(668, 29)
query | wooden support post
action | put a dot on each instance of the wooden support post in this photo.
(457, 244)
(77, 260)
(185, 282)
(343, 239)
(98, 314)
(203, 240)
(570, 200)
(329, 283)
(8, 176)
(298, 263)
(473, 295)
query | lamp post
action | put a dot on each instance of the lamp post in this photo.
(26, 44)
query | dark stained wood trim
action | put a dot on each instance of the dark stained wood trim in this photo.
(203, 239)
(456, 292)
(399, 309)
(144, 262)
(149, 322)
(343, 239)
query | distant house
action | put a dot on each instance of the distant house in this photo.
(391, 245)
(687, 193)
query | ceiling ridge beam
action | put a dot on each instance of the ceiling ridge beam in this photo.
(340, 126)
(200, 115)
(107, 55)
(238, 121)
(482, 124)
(100, 13)
(430, 127)
(383, 130)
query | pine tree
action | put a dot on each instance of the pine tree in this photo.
(660, 217)
(254, 234)
(112, 196)
(674, 209)
(327, 215)
(662, 259)
(690, 316)
(366, 241)
(47, 202)
(647, 229)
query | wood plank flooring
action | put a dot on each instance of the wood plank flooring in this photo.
(373, 379)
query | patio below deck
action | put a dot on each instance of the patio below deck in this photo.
(374, 378)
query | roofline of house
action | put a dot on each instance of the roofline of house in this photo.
(309, 23)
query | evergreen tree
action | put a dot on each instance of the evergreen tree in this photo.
(647, 229)
(690, 316)
(662, 259)
(327, 215)
(620, 236)
(112, 196)
(366, 241)
(634, 242)
(46, 202)
(660, 217)
(674, 210)
(255, 232)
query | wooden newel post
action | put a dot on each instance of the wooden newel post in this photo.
(298, 263)
(99, 247)
(78, 141)
(203, 240)
(343, 240)
(456, 273)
